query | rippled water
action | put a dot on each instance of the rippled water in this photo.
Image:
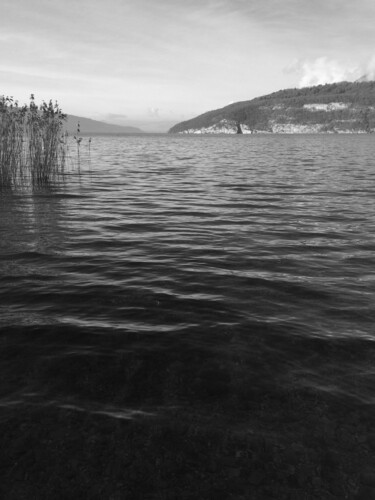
(167, 233)
(256, 244)
(191, 317)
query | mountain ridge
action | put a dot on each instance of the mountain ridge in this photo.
(342, 107)
(89, 126)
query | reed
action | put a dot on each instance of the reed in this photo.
(32, 143)
(78, 142)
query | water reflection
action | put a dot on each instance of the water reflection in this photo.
(30, 221)
(32, 236)
(28, 399)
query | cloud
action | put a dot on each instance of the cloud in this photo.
(324, 70)
(153, 112)
(370, 69)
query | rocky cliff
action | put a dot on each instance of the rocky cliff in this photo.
(343, 107)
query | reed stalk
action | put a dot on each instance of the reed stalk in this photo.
(32, 143)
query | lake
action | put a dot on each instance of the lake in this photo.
(192, 317)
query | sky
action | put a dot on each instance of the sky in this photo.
(159, 62)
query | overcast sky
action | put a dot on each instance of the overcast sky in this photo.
(126, 60)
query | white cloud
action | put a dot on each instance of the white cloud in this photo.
(324, 70)
(153, 112)
(370, 69)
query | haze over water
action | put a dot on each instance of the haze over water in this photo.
(244, 264)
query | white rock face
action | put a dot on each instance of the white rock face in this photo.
(292, 128)
(277, 128)
(230, 126)
(332, 106)
(222, 127)
(247, 130)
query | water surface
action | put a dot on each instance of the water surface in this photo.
(180, 271)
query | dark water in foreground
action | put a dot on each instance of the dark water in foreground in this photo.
(203, 274)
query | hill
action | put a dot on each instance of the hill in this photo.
(88, 126)
(342, 107)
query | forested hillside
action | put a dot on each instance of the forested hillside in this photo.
(337, 107)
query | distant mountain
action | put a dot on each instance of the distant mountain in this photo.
(343, 107)
(154, 126)
(88, 126)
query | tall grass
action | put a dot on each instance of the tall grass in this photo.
(32, 143)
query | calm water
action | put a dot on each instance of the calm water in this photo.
(224, 247)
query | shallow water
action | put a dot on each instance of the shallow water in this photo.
(223, 245)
